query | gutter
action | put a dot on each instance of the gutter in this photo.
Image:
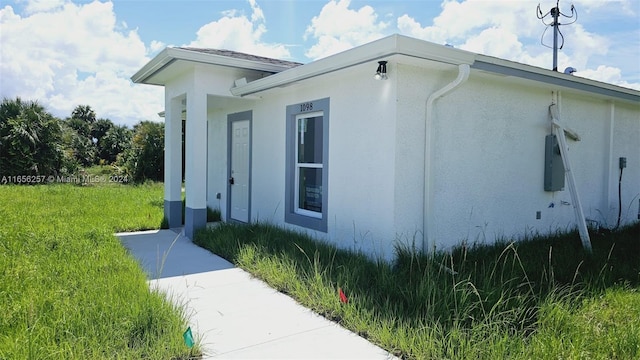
(428, 240)
(374, 51)
(544, 76)
(418, 49)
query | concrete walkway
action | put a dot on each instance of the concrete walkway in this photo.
(234, 315)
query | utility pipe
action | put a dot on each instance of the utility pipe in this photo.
(427, 219)
(581, 222)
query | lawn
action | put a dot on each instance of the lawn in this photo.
(68, 289)
(540, 298)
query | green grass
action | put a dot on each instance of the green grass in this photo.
(68, 289)
(540, 298)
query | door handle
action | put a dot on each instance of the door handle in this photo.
(231, 180)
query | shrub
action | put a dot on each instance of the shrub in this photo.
(29, 139)
(144, 160)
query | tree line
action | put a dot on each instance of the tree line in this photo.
(33, 142)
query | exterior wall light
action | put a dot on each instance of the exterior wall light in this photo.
(381, 73)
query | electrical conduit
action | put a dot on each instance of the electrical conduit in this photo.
(428, 218)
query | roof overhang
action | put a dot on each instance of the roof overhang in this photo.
(173, 60)
(418, 49)
(149, 74)
(373, 51)
(510, 68)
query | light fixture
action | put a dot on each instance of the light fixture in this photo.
(381, 73)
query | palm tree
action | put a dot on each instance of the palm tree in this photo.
(85, 113)
(29, 139)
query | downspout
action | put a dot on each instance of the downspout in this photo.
(609, 182)
(427, 219)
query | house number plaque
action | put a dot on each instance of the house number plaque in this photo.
(304, 107)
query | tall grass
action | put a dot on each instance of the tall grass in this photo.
(538, 298)
(68, 289)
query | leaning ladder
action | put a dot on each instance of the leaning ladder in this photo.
(560, 130)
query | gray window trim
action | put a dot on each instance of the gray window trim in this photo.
(290, 215)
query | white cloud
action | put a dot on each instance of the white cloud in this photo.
(235, 31)
(459, 21)
(410, 27)
(65, 54)
(338, 28)
(494, 41)
(34, 6)
(501, 28)
(510, 30)
(620, 7)
(155, 47)
(607, 74)
(124, 101)
(583, 44)
(256, 12)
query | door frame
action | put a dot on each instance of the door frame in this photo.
(231, 118)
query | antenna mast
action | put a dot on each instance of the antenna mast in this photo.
(555, 14)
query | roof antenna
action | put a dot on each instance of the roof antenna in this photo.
(555, 14)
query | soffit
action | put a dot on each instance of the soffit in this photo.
(172, 62)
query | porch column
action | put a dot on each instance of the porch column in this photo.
(173, 161)
(196, 162)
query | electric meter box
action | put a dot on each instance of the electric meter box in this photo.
(553, 165)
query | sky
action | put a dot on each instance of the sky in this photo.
(66, 53)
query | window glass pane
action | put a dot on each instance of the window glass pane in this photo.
(309, 135)
(310, 189)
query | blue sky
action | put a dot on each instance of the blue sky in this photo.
(64, 53)
(286, 20)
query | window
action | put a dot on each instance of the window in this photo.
(306, 170)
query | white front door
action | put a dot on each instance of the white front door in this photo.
(239, 170)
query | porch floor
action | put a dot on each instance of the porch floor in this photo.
(234, 315)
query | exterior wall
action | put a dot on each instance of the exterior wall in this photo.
(625, 143)
(490, 161)
(362, 161)
(204, 91)
(361, 157)
(217, 160)
(416, 84)
(488, 157)
(589, 157)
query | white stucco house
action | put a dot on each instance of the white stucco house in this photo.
(446, 146)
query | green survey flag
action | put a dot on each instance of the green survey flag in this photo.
(188, 337)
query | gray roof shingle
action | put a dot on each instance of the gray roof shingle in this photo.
(243, 56)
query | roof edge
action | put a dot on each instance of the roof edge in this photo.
(388, 46)
(403, 45)
(374, 51)
(510, 68)
(150, 68)
(171, 54)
